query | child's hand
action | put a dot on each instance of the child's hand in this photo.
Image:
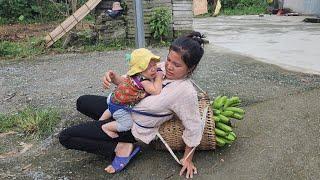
(107, 79)
(160, 74)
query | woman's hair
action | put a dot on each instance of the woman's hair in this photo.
(190, 48)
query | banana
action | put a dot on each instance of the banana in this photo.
(223, 127)
(220, 132)
(227, 104)
(216, 118)
(237, 116)
(220, 102)
(236, 104)
(223, 100)
(233, 101)
(230, 137)
(227, 113)
(215, 102)
(223, 118)
(225, 140)
(235, 110)
(216, 112)
(220, 144)
(233, 134)
(220, 141)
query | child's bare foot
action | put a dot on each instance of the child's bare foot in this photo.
(110, 169)
(112, 134)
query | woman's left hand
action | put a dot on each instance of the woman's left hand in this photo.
(188, 166)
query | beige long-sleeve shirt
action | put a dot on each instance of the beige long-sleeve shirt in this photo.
(179, 97)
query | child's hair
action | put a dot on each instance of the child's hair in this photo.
(190, 47)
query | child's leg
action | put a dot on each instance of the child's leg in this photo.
(124, 120)
(110, 129)
(106, 115)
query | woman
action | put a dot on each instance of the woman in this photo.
(178, 96)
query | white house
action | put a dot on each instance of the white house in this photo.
(309, 7)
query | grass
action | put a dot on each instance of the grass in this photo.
(241, 10)
(38, 123)
(244, 10)
(30, 47)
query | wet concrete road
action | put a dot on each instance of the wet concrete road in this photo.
(282, 40)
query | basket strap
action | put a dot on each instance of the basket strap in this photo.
(168, 147)
(198, 87)
(204, 117)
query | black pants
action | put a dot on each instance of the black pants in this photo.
(89, 136)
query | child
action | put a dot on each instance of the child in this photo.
(142, 79)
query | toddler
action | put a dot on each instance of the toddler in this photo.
(142, 79)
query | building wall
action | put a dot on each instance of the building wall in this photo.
(109, 29)
(310, 7)
(182, 15)
(148, 6)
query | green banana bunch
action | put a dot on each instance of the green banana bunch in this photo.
(223, 137)
(225, 109)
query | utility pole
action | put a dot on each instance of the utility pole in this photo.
(139, 38)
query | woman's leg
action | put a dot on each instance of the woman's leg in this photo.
(90, 137)
(92, 106)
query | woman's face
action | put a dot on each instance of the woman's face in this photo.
(176, 68)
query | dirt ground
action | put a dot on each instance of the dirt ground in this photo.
(20, 32)
(278, 139)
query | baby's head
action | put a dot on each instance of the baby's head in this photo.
(143, 61)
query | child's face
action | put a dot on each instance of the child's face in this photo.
(151, 70)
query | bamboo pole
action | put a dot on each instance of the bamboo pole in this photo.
(70, 22)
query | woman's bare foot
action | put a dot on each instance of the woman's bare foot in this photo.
(110, 169)
(112, 134)
(122, 150)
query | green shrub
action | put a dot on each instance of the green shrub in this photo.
(14, 11)
(241, 7)
(241, 3)
(160, 23)
(251, 3)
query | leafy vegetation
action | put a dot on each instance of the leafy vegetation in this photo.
(245, 10)
(30, 11)
(160, 23)
(239, 7)
(242, 7)
(13, 11)
(34, 122)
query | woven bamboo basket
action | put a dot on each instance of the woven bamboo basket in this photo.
(172, 130)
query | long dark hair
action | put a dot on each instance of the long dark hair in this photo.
(190, 47)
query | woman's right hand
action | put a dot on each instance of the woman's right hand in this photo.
(108, 79)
